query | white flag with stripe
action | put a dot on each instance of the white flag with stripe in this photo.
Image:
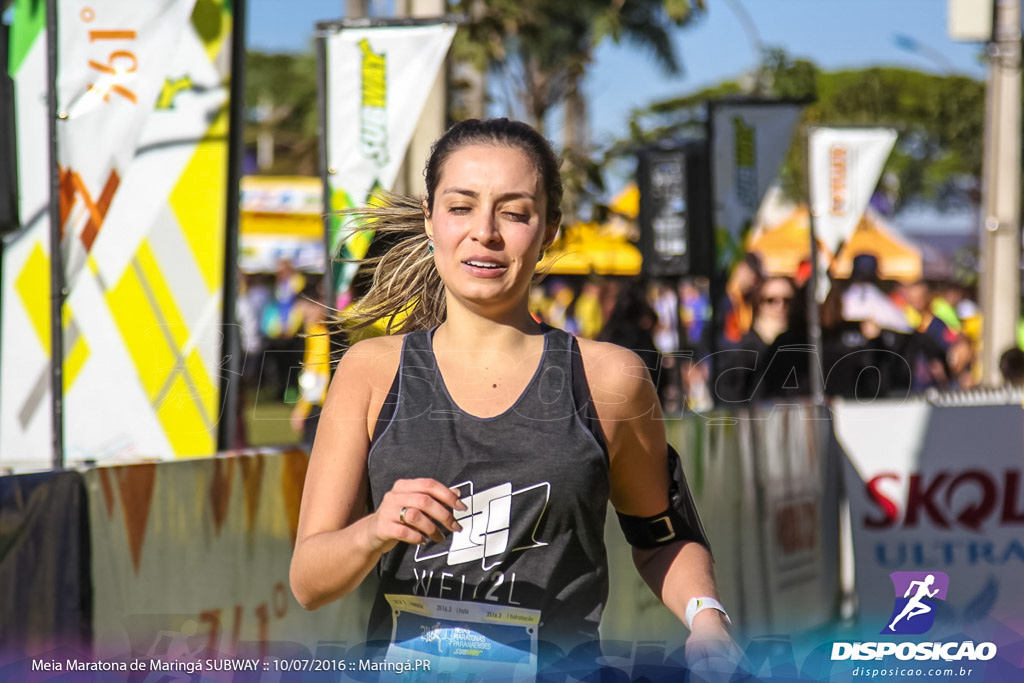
(844, 165)
(749, 144)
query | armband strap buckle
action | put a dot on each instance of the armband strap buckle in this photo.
(669, 528)
(654, 531)
(680, 522)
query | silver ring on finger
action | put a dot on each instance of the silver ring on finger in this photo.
(401, 515)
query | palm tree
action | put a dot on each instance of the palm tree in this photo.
(542, 49)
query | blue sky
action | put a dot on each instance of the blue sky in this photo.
(833, 33)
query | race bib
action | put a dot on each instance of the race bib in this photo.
(464, 637)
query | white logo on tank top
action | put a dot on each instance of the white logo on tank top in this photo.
(486, 524)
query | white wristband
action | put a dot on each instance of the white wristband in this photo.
(697, 605)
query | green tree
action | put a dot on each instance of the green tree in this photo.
(281, 101)
(541, 49)
(939, 119)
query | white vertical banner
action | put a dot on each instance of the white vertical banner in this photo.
(749, 143)
(112, 62)
(378, 79)
(25, 417)
(843, 166)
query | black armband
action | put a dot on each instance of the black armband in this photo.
(651, 532)
(680, 522)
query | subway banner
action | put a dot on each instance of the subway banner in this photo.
(142, 90)
(749, 141)
(937, 491)
(378, 79)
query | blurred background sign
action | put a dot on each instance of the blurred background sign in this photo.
(675, 228)
(749, 141)
(970, 21)
(281, 219)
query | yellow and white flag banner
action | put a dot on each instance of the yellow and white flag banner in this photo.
(143, 192)
(112, 63)
(378, 80)
(844, 165)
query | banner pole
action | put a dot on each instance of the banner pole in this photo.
(9, 213)
(813, 311)
(230, 380)
(716, 277)
(57, 292)
(330, 297)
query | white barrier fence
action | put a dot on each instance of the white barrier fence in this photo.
(194, 554)
(188, 554)
(767, 496)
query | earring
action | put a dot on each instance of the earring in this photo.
(430, 246)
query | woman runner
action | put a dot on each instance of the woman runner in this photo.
(470, 459)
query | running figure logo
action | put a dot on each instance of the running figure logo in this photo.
(913, 611)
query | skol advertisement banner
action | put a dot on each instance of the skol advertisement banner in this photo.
(843, 166)
(937, 508)
(142, 154)
(378, 80)
(749, 142)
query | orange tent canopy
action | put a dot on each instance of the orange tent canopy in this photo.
(782, 247)
(898, 259)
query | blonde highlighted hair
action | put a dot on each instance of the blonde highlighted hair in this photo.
(407, 293)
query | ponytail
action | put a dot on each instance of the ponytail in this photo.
(407, 293)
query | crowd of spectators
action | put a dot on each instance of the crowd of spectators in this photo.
(285, 343)
(878, 338)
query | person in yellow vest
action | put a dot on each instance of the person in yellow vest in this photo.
(315, 373)
(589, 318)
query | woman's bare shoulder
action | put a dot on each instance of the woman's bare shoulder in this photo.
(611, 365)
(370, 364)
(619, 381)
(374, 346)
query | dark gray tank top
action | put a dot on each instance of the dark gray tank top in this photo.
(535, 479)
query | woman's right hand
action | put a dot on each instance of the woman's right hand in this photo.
(413, 511)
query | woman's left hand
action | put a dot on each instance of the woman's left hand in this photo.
(711, 653)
